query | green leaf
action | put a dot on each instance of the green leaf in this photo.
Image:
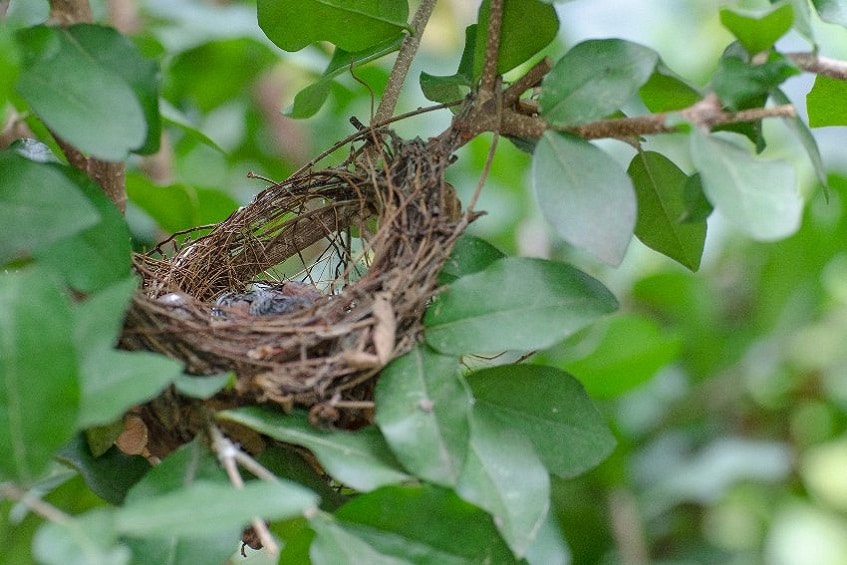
(90, 106)
(101, 253)
(39, 394)
(517, 303)
(360, 459)
(420, 522)
(758, 30)
(759, 197)
(333, 545)
(203, 387)
(308, 101)
(110, 475)
(117, 54)
(39, 205)
(665, 91)
(551, 409)
(697, 206)
(832, 11)
(88, 539)
(518, 41)
(824, 102)
(174, 117)
(803, 19)
(113, 381)
(741, 85)
(585, 195)
(504, 476)
(188, 464)
(630, 350)
(660, 189)
(352, 25)
(806, 139)
(221, 506)
(594, 79)
(470, 255)
(443, 89)
(422, 410)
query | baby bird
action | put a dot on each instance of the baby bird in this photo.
(264, 299)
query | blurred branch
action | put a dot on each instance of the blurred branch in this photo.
(812, 63)
(111, 176)
(404, 60)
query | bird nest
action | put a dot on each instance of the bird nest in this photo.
(309, 290)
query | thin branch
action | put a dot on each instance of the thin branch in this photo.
(492, 46)
(818, 65)
(532, 78)
(227, 453)
(404, 60)
(47, 511)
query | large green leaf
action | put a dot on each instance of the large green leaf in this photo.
(420, 522)
(759, 197)
(832, 11)
(39, 205)
(39, 393)
(551, 409)
(504, 476)
(798, 125)
(101, 253)
(517, 303)
(91, 106)
(334, 545)
(740, 84)
(666, 91)
(422, 410)
(630, 350)
(352, 25)
(660, 189)
(518, 41)
(360, 459)
(594, 79)
(758, 30)
(113, 381)
(221, 507)
(585, 195)
(824, 102)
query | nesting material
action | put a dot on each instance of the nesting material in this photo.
(309, 290)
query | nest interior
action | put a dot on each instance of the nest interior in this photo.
(363, 241)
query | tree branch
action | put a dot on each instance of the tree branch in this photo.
(111, 176)
(492, 47)
(818, 65)
(404, 60)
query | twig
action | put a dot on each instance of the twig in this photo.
(482, 178)
(47, 511)
(816, 64)
(227, 453)
(492, 47)
(403, 62)
(532, 78)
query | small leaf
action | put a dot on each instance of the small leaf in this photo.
(594, 79)
(741, 85)
(443, 89)
(222, 506)
(203, 387)
(360, 459)
(758, 30)
(470, 254)
(308, 101)
(759, 197)
(515, 304)
(585, 195)
(504, 476)
(173, 116)
(551, 409)
(832, 11)
(823, 103)
(665, 91)
(39, 205)
(518, 41)
(352, 25)
(806, 139)
(422, 521)
(422, 410)
(39, 394)
(631, 350)
(91, 106)
(659, 187)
